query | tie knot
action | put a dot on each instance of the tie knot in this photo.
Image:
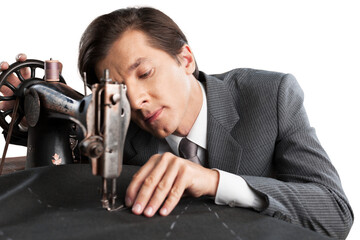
(187, 149)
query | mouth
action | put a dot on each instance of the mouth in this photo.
(153, 116)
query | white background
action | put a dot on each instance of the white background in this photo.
(317, 41)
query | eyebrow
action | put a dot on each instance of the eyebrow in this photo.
(136, 63)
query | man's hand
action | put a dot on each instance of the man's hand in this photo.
(163, 180)
(12, 79)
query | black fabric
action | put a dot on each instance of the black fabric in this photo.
(63, 202)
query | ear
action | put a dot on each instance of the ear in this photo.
(187, 59)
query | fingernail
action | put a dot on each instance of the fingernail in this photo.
(136, 208)
(163, 211)
(18, 56)
(128, 202)
(149, 211)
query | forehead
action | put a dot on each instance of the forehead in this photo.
(131, 42)
(130, 50)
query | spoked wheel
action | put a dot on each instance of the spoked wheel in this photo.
(16, 70)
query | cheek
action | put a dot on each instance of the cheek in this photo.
(174, 88)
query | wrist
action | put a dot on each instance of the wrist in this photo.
(213, 182)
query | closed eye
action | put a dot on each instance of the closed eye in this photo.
(145, 75)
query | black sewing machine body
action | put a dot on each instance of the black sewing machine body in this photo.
(63, 126)
(53, 137)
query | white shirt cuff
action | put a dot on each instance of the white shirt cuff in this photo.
(234, 191)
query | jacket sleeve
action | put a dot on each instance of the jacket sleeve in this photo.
(306, 188)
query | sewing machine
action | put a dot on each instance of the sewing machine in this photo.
(61, 126)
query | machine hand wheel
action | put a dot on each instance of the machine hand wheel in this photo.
(36, 67)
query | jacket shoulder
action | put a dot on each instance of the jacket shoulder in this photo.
(249, 76)
(252, 87)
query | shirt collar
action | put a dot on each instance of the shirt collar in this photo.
(198, 132)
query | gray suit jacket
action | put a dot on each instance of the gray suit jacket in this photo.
(258, 129)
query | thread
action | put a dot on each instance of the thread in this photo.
(52, 70)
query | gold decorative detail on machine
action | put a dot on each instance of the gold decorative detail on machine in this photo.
(56, 160)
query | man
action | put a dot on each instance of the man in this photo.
(254, 146)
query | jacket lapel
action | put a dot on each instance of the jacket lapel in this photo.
(224, 152)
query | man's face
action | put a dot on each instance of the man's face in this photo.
(158, 87)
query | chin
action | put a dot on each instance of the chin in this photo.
(161, 133)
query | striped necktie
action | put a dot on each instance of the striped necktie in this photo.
(188, 150)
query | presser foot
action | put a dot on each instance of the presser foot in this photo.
(109, 199)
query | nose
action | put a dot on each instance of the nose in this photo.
(137, 96)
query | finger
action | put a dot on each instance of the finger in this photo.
(12, 79)
(163, 188)
(6, 105)
(4, 66)
(6, 91)
(138, 180)
(175, 194)
(149, 185)
(21, 57)
(13, 82)
(25, 72)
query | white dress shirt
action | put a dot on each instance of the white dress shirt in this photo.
(232, 189)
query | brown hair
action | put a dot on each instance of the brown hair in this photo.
(162, 31)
